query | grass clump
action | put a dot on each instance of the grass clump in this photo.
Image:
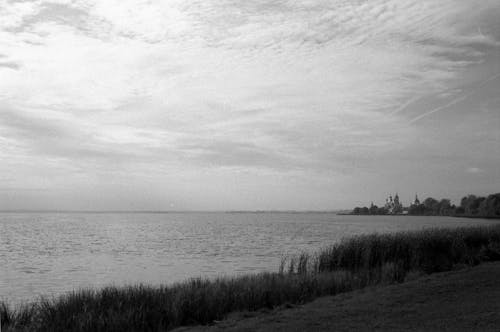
(430, 250)
(350, 264)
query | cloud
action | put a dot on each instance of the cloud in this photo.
(45, 134)
(85, 37)
(474, 170)
(216, 153)
(10, 65)
(181, 87)
(457, 99)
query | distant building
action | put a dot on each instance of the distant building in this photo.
(416, 207)
(416, 202)
(393, 206)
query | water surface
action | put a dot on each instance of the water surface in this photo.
(50, 253)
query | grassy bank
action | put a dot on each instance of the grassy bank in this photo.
(458, 300)
(351, 264)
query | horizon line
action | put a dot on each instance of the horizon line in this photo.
(167, 211)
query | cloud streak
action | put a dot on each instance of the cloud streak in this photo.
(456, 100)
(206, 89)
(9, 65)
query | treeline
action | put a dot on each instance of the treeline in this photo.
(372, 210)
(470, 206)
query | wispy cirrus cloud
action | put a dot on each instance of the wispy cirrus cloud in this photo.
(9, 65)
(320, 88)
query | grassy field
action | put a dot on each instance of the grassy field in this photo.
(351, 264)
(458, 300)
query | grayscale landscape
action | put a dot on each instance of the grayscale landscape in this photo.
(250, 165)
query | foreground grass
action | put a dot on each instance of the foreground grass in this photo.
(351, 264)
(458, 300)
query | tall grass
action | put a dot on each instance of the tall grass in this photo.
(350, 264)
(430, 250)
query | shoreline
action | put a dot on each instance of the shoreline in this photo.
(354, 263)
(418, 215)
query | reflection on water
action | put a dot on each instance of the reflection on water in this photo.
(49, 253)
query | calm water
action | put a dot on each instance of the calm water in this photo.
(49, 253)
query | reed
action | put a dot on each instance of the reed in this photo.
(352, 263)
(429, 250)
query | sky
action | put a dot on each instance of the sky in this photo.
(246, 104)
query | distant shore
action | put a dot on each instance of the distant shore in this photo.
(417, 215)
(470, 206)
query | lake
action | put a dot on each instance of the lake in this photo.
(50, 253)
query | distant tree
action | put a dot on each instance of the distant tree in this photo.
(453, 210)
(431, 206)
(417, 209)
(467, 204)
(471, 204)
(382, 211)
(490, 207)
(445, 207)
(477, 204)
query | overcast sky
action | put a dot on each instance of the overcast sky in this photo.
(246, 104)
